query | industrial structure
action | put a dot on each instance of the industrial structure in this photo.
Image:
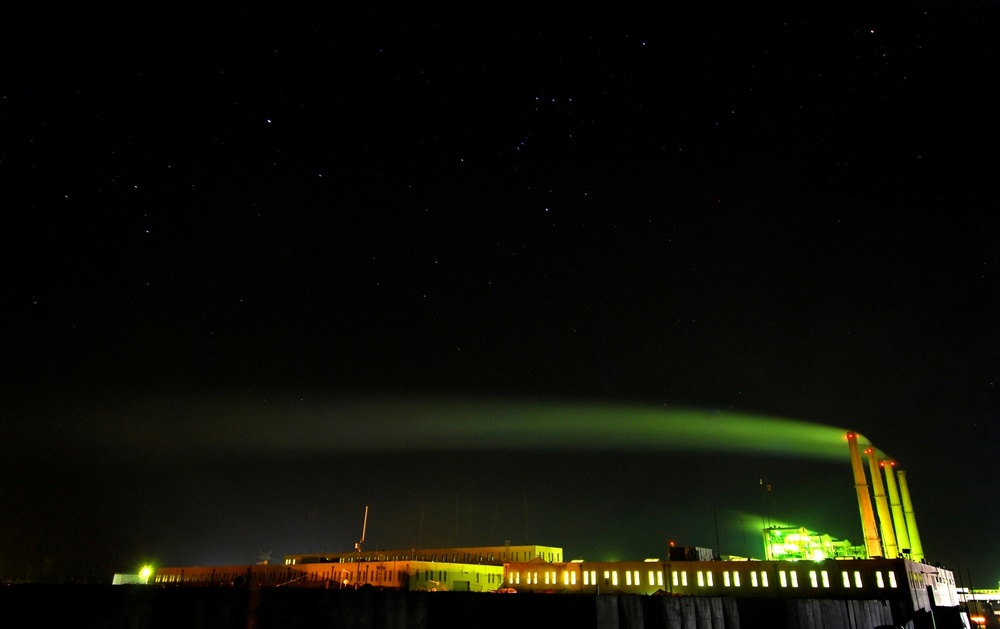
(466, 569)
(792, 543)
(799, 564)
(895, 534)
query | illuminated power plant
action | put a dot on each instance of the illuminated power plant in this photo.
(895, 534)
(883, 581)
(889, 528)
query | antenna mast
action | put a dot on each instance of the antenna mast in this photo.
(364, 527)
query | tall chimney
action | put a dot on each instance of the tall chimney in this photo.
(898, 520)
(872, 544)
(884, 519)
(916, 550)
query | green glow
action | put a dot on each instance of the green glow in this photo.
(798, 543)
(345, 424)
(145, 572)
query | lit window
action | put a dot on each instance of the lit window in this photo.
(879, 581)
(826, 578)
(628, 577)
(635, 574)
(572, 578)
(684, 578)
(736, 578)
(783, 578)
(711, 580)
(535, 577)
(607, 575)
(857, 578)
(546, 578)
(614, 577)
(652, 578)
(701, 579)
(753, 579)
(763, 578)
(847, 579)
(795, 579)
(725, 578)
(892, 579)
(673, 578)
(813, 579)
(659, 579)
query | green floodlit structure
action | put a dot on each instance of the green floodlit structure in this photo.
(789, 543)
(890, 533)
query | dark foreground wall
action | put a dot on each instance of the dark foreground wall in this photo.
(148, 607)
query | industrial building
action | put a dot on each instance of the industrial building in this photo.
(800, 564)
(466, 569)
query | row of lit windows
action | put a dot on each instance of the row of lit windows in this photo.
(786, 578)
(376, 575)
(706, 578)
(550, 577)
(221, 577)
(452, 557)
(442, 575)
(345, 576)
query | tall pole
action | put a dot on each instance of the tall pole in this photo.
(884, 519)
(916, 550)
(872, 544)
(364, 528)
(972, 595)
(526, 538)
(718, 541)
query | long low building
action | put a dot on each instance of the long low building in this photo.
(903, 589)
(396, 575)
(918, 585)
(481, 569)
(495, 555)
(469, 569)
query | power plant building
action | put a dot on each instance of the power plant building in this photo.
(798, 564)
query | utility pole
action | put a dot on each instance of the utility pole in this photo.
(364, 527)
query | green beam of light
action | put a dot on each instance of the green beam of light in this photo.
(340, 424)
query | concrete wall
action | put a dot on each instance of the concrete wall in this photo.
(146, 607)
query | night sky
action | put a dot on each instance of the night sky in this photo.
(589, 278)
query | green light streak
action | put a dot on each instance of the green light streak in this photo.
(354, 425)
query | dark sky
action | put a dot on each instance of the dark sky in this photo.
(498, 273)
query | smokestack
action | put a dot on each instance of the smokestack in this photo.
(872, 544)
(898, 520)
(884, 519)
(916, 550)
